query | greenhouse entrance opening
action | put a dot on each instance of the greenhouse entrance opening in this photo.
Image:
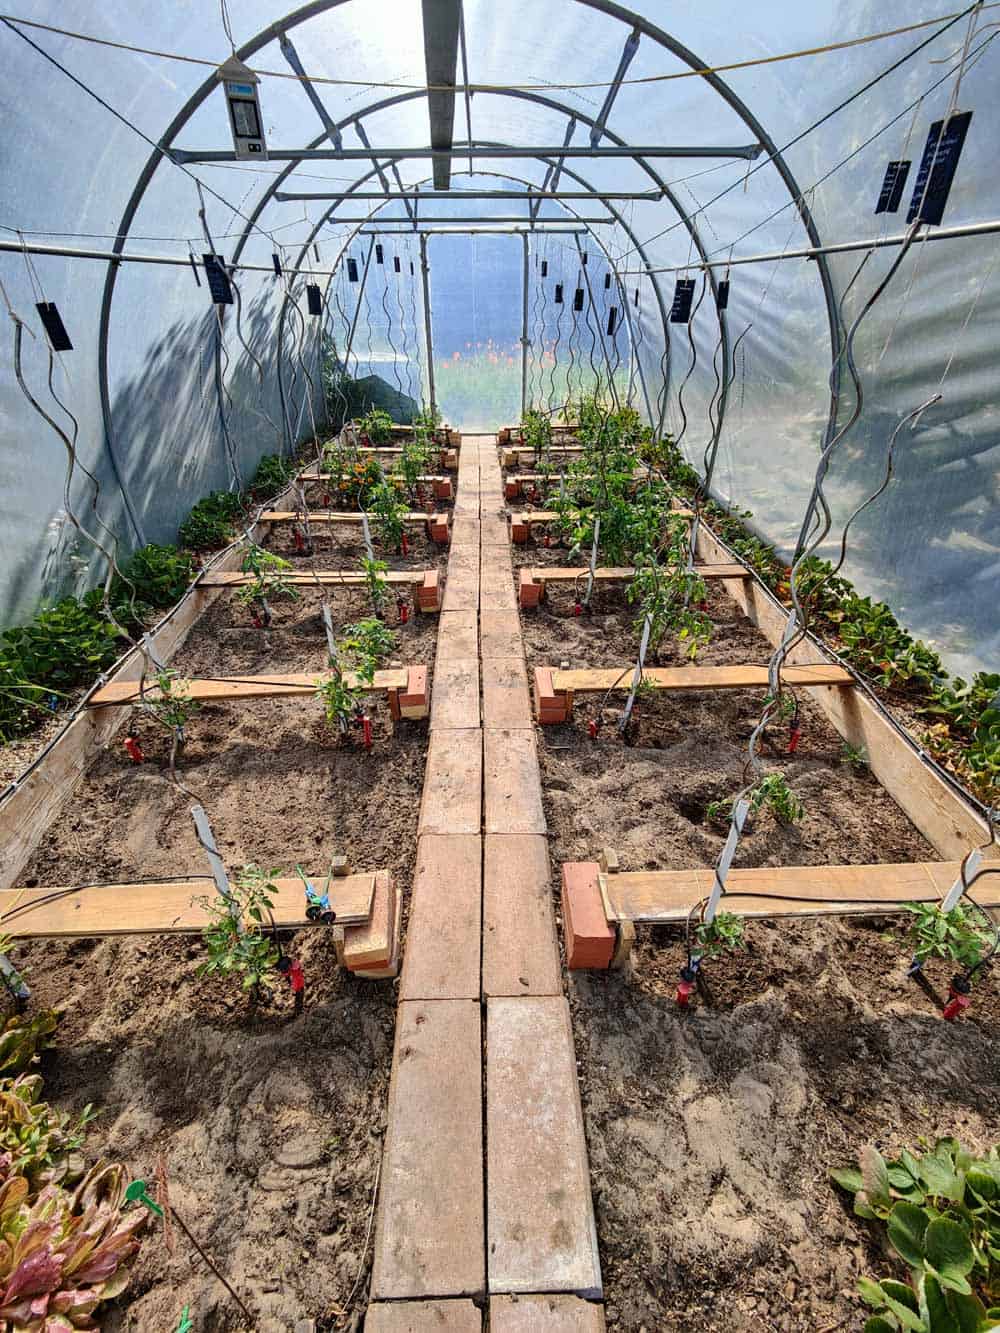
(476, 313)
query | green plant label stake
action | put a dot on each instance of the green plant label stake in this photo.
(138, 1192)
(186, 1324)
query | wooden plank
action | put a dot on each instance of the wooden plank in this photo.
(658, 897)
(312, 578)
(332, 516)
(170, 907)
(613, 573)
(947, 821)
(289, 685)
(311, 478)
(697, 677)
(550, 515)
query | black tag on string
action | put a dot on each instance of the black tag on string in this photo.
(314, 299)
(607, 281)
(558, 296)
(545, 268)
(352, 270)
(680, 311)
(612, 320)
(578, 299)
(722, 297)
(411, 268)
(937, 168)
(316, 253)
(275, 260)
(583, 259)
(378, 254)
(891, 194)
(395, 263)
(54, 327)
(636, 301)
(218, 279)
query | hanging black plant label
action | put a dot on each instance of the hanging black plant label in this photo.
(680, 311)
(395, 263)
(378, 254)
(316, 253)
(276, 261)
(54, 327)
(607, 281)
(722, 299)
(891, 194)
(314, 298)
(352, 270)
(578, 299)
(612, 320)
(218, 279)
(545, 268)
(558, 296)
(937, 168)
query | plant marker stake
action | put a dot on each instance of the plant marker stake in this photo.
(969, 868)
(591, 572)
(186, 1325)
(958, 993)
(133, 749)
(366, 532)
(137, 1193)
(726, 860)
(647, 625)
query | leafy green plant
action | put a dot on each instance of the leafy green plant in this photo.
(269, 571)
(376, 584)
(172, 706)
(235, 938)
(23, 1036)
(413, 462)
(855, 757)
(375, 426)
(154, 578)
(339, 699)
(937, 934)
(536, 431)
(941, 1213)
(388, 512)
(272, 475)
(364, 645)
(37, 1142)
(66, 645)
(428, 420)
(212, 521)
(723, 934)
(771, 792)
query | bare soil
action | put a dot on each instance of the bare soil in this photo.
(711, 1130)
(270, 1125)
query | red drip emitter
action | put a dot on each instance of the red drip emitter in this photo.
(794, 735)
(404, 611)
(578, 608)
(366, 730)
(133, 749)
(686, 986)
(958, 998)
(300, 541)
(593, 728)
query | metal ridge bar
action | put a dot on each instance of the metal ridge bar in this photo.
(746, 152)
(551, 181)
(427, 196)
(429, 230)
(374, 219)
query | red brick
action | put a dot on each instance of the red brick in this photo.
(429, 592)
(424, 1317)
(437, 528)
(511, 489)
(519, 529)
(550, 706)
(590, 940)
(442, 488)
(530, 589)
(413, 701)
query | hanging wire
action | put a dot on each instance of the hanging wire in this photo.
(388, 328)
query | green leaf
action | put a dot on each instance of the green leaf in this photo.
(900, 1292)
(871, 1293)
(848, 1178)
(906, 1227)
(940, 1317)
(879, 1324)
(875, 1175)
(906, 1316)
(983, 1182)
(940, 1179)
(947, 1248)
(968, 1310)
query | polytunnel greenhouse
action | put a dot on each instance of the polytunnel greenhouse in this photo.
(500, 668)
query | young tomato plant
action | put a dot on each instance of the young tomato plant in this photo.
(413, 463)
(388, 512)
(376, 584)
(937, 934)
(723, 934)
(772, 793)
(269, 572)
(235, 938)
(173, 708)
(376, 426)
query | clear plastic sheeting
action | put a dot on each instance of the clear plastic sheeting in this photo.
(172, 402)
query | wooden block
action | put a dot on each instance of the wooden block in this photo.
(545, 1314)
(429, 1239)
(589, 938)
(500, 634)
(506, 701)
(520, 951)
(443, 935)
(413, 700)
(391, 967)
(540, 1219)
(429, 592)
(456, 693)
(621, 573)
(452, 796)
(512, 786)
(371, 944)
(458, 635)
(168, 908)
(424, 1317)
(530, 589)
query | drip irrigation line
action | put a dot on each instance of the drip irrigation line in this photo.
(701, 72)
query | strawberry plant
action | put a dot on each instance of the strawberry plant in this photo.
(66, 644)
(940, 1208)
(273, 475)
(235, 938)
(212, 522)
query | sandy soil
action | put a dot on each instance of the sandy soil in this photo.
(269, 1124)
(711, 1132)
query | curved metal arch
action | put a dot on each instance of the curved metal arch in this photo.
(317, 7)
(572, 174)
